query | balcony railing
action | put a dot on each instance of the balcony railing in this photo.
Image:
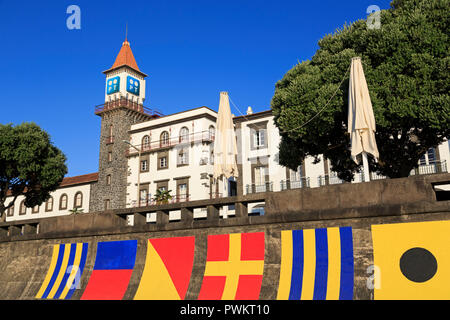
(293, 184)
(126, 103)
(432, 168)
(151, 202)
(216, 195)
(203, 136)
(257, 188)
(328, 179)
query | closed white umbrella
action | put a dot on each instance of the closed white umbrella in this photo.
(361, 121)
(225, 149)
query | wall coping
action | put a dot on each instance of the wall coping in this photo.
(381, 198)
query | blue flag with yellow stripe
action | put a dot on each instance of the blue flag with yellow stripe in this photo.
(316, 264)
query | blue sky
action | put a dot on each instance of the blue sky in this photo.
(191, 51)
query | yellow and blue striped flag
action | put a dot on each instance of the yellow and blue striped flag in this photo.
(66, 267)
(316, 264)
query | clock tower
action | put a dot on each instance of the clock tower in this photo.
(123, 107)
(124, 79)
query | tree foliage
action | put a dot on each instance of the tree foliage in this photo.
(406, 63)
(29, 164)
(162, 196)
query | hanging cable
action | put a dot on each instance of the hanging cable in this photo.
(321, 110)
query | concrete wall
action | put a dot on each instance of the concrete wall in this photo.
(368, 208)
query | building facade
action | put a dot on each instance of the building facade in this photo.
(142, 151)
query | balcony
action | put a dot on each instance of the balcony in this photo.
(150, 202)
(125, 103)
(292, 184)
(259, 188)
(196, 137)
(432, 168)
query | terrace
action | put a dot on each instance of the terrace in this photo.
(122, 102)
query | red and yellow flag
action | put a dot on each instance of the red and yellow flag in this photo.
(234, 267)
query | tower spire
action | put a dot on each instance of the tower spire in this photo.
(126, 31)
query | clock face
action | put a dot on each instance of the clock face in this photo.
(113, 85)
(133, 85)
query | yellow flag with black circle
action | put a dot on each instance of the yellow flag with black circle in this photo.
(412, 261)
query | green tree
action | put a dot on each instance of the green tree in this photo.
(30, 165)
(406, 63)
(162, 196)
(76, 210)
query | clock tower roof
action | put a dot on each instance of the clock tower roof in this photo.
(125, 58)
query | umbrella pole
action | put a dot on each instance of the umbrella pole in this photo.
(366, 167)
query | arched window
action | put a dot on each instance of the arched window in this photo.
(63, 202)
(78, 200)
(212, 132)
(110, 138)
(164, 141)
(184, 135)
(10, 211)
(49, 204)
(22, 208)
(145, 142)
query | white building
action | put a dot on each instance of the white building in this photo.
(73, 193)
(175, 152)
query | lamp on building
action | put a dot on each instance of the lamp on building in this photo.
(138, 172)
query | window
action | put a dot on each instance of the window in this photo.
(144, 165)
(296, 175)
(212, 132)
(183, 157)
(110, 138)
(35, 209)
(10, 211)
(260, 175)
(259, 138)
(78, 201)
(163, 162)
(428, 158)
(258, 135)
(164, 140)
(107, 204)
(184, 135)
(22, 208)
(49, 204)
(145, 143)
(63, 202)
(108, 180)
(109, 156)
(182, 191)
(211, 158)
(143, 196)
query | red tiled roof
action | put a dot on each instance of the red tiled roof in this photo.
(85, 178)
(70, 181)
(125, 57)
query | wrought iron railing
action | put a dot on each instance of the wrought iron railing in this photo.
(304, 182)
(203, 136)
(257, 188)
(431, 168)
(151, 201)
(124, 102)
(328, 179)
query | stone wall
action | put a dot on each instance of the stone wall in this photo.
(25, 258)
(121, 120)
